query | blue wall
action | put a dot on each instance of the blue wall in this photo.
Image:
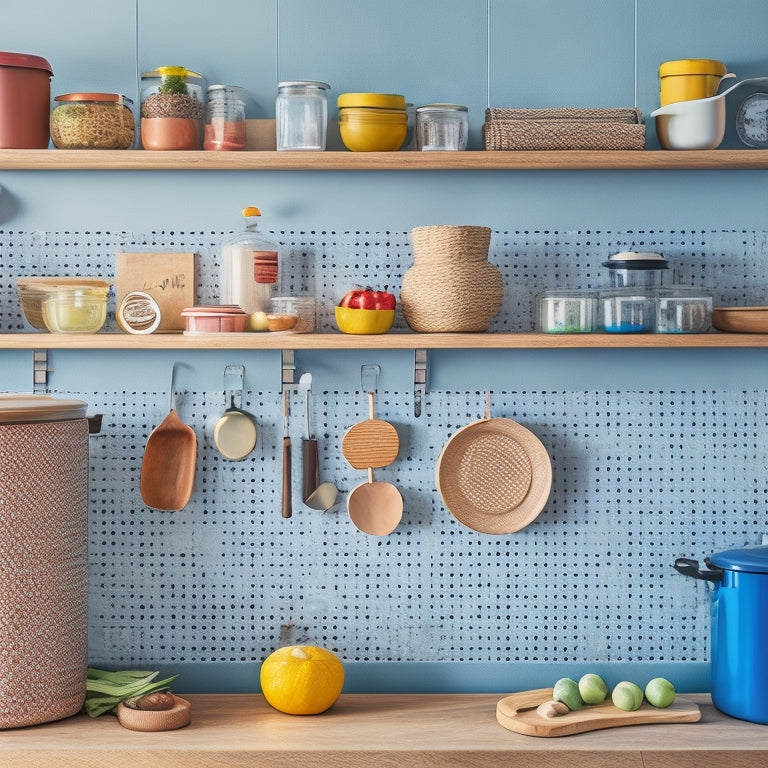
(588, 586)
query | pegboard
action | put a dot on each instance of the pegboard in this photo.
(635, 486)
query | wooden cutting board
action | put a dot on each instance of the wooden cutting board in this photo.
(517, 713)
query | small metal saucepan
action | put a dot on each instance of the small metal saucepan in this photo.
(235, 433)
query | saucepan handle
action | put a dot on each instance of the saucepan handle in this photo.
(689, 567)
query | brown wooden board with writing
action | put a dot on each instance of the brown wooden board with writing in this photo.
(168, 277)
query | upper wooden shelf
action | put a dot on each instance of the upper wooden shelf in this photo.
(143, 160)
(297, 341)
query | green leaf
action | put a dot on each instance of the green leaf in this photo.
(105, 690)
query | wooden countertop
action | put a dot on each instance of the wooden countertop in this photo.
(378, 730)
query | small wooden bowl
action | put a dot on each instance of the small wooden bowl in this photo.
(179, 715)
(741, 319)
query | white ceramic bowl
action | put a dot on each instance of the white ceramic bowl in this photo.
(694, 124)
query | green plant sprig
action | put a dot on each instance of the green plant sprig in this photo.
(105, 690)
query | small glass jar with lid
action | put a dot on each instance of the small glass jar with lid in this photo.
(172, 109)
(301, 115)
(224, 118)
(92, 121)
(442, 127)
(631, 269)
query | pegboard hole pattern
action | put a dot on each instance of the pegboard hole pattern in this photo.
(325, 264)
(228, 580)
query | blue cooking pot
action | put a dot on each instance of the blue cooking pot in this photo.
(739, 660)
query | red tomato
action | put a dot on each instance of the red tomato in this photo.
(367, 298)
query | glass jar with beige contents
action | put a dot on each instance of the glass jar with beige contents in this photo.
(92, 121)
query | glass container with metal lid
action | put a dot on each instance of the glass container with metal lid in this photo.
(301, 115)
(442, 127)
(631, 269)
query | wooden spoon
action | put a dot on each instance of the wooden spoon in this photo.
(372, 443)
(168, 468)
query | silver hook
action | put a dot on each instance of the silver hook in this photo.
(172, 387)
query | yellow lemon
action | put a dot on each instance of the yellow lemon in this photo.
(302, 679)
(257, 322)
(364, 321)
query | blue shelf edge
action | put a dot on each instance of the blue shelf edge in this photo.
(448, 677)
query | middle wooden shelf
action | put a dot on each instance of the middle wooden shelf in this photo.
(340, 341)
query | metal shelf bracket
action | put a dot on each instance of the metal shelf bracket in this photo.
(419, 380)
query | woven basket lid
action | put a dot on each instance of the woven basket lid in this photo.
(494, 476)
(23, 408)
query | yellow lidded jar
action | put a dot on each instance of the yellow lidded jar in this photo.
(687, 79)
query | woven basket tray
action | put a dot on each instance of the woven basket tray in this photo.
(563, 128)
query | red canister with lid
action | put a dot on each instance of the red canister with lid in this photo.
(25, 97)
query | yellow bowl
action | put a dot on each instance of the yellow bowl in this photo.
(364, 321)
(373, 130)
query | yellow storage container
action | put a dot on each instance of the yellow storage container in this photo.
(687, 79)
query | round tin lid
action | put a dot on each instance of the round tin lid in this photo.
(138, 313)
(110, 97)
(26, 60)
(636, 260)
(442, 107)
(19, 409)
(746, 559)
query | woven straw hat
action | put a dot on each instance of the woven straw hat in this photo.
(494, 476)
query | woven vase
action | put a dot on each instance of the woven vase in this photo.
(451, 287)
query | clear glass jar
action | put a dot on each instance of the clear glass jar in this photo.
(442, 127)
(301, 115)
(628, 311)
(249, 267)
(224, 118)
(172, 109)
(567, 311)
(683, 310)
(92, 121)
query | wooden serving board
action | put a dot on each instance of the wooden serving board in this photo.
(517, 712)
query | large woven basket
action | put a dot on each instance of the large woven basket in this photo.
(43, 570)
(564, 128)
(451, 287)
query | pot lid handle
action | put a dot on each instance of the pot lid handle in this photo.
(689, 567)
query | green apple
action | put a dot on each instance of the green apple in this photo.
(567, 691)
(592, 688)
(627, 696)
(257, 322)
(660, 692)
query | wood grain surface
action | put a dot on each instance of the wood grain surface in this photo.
(362, 731)
(518, 713)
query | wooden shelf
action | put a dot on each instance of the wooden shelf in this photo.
(297, 341)
(367, 731)
(142, 160)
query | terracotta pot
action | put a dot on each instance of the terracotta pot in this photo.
(174, 133)
(451, 287)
